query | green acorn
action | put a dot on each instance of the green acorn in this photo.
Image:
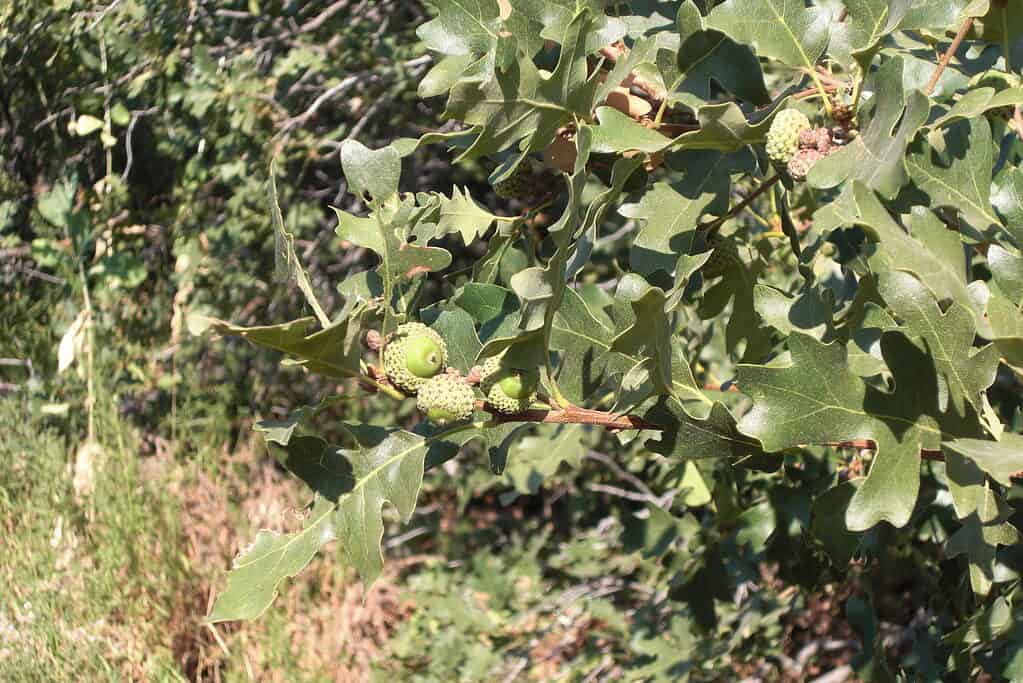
(446, 398)
(783, 137)
(509, 390)
(414, 354)
(723, 258)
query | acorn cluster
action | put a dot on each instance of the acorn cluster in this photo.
(415, 358)
(796, 145)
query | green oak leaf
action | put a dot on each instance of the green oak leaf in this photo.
(828, 525)
(671, 213)
(1006, 318)
(948, 335)
(1007, 272)
(960, 178)
(808, 312)
(724, 128)
(1003, 26)
(457, 328)
(386, 231)
(474, 41)
(387, 469)
(590, 221)
(649, 336)
(462, 27)
(555, 17)
(983, 530)
(877, 156)
(462, 215)
(617, 132)
(286, 264)
(938, 15)
(370, 173)
(978, 101)
(583, 341)
(867, 23)
(1007, 200)
(385, 466)
(736, 286)
(638, 55)
(1005, 307)
(536, 457)
(333, 351)
(999, 459)
(260, 568)
(685, 437)
(928, 250)
(786, 31)
(704, 56)
(520, 106)
(816, 399)
(495, 439)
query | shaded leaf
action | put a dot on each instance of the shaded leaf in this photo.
(999, 459)
(949, 338)
(519, 107)
(961, 178)
(877, 156)
(786, 31)
(333, 351)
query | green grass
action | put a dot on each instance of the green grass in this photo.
(113, 585)
(87, 579)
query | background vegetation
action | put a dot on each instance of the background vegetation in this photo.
(135, 141)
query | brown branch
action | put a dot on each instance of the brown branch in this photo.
(811, 92)
(377, 380)
(597, 418)
(571, 415)
(1017, 117)
(947, 57)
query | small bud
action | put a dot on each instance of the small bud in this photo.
(799, 165)
(374, 340)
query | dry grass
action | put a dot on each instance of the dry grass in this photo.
(322, 624)
(116, 586)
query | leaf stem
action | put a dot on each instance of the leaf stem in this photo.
(735, 210)
(823, 91)
(947, 57)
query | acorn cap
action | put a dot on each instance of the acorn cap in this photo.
(508, 390)
(446, 398)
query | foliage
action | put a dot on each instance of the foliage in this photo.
(778, 425)
(866, 320)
